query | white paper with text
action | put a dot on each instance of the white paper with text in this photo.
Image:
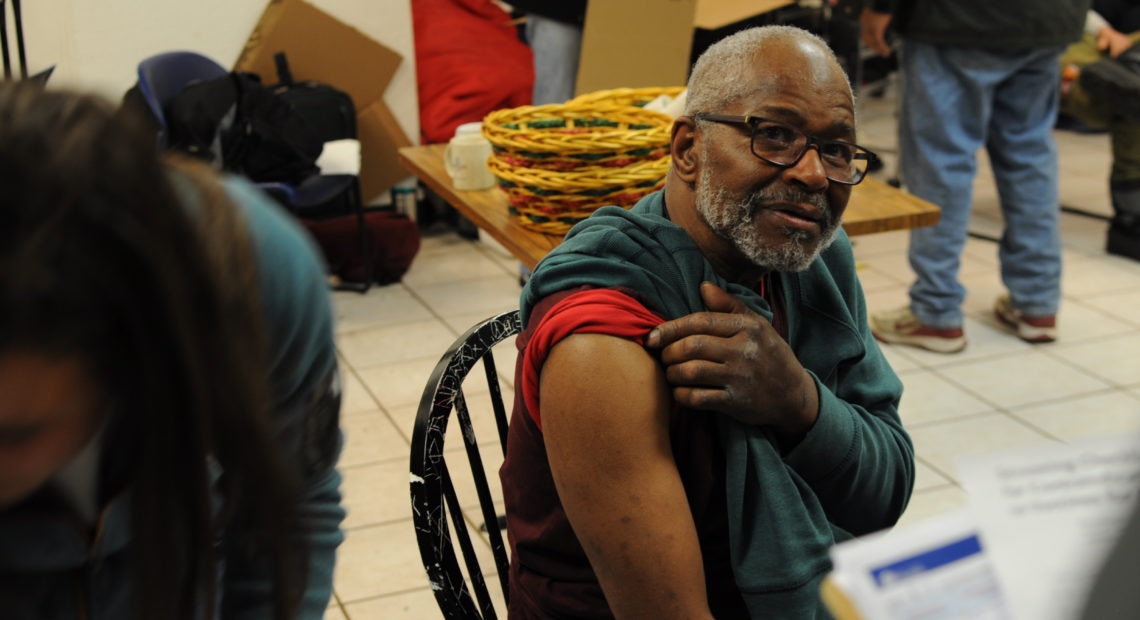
(1048, 516)
(933, 570)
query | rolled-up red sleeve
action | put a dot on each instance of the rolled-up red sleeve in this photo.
(591, 311)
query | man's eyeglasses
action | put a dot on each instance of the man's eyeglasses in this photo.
(782, 145)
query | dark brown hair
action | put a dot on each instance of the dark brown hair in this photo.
(144, 270)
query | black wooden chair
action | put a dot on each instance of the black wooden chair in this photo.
(437, 512)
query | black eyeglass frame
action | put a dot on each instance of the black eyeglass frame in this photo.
(751, 123)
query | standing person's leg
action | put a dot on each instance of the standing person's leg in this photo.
(1024, 159)
(1124, 182)
(556, 46)
(944, 110)
(1124, 186)
(946, 107)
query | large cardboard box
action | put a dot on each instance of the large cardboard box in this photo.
(324, 49)
(646, 43)
(635, 43)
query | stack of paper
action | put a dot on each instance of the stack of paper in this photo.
(1039, 526)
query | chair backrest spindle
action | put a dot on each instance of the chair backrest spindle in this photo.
(496, 401)
(435, 501)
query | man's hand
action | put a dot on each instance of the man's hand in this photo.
(873, 26)
(732, 361)
(1112, 42)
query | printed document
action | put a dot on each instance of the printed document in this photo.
(933, 570)
(1048, 516)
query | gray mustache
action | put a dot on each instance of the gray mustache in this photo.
(788, 194)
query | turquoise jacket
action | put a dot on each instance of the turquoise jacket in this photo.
(49, 571)
(854, 470)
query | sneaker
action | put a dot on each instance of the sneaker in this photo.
(902, 327)
(1034, 329)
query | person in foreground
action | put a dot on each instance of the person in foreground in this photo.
(701, 410)
(168, 383)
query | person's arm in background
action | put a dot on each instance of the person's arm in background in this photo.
(305, 404)
(605, 421)
(873, 23)
(1108, 39)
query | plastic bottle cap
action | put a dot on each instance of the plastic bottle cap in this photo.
(475, 128)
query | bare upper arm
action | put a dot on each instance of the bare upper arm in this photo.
(605, 412)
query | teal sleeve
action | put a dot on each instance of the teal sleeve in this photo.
(304, 381)
(859, 461)
(857, 457)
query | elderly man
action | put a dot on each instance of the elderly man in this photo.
(701, 410)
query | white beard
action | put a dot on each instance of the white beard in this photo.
(732, 219)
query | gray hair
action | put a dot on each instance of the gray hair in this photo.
(716, 83)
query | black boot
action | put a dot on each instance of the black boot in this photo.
(1124, 231)
(1124, 239)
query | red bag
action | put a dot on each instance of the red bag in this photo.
(469, 61)
(393, 241)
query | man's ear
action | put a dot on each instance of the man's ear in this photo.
(684, 149)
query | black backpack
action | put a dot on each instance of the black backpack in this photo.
(236, 122)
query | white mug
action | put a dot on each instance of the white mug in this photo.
(466, 162)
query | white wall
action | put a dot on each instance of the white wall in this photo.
(96, 44)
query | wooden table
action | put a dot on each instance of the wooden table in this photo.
(874, 207)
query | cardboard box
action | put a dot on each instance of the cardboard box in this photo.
(321, 48)
(647, 43)
(635, 43)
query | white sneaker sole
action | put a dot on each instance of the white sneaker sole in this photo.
(930, 343)
(1025, 331)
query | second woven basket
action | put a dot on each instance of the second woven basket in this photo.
(559, 163)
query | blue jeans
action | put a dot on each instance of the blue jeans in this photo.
(556, 46)
(954, 101)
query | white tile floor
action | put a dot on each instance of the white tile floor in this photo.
(999, 393)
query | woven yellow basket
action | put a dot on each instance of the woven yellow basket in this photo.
(553, 202)
(627, 96)
(559, 163)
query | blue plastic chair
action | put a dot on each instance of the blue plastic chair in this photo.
(163, 76)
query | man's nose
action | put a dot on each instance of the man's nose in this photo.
(809, 171)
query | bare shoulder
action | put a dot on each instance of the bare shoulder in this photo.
(598, 392)
(599, 368)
